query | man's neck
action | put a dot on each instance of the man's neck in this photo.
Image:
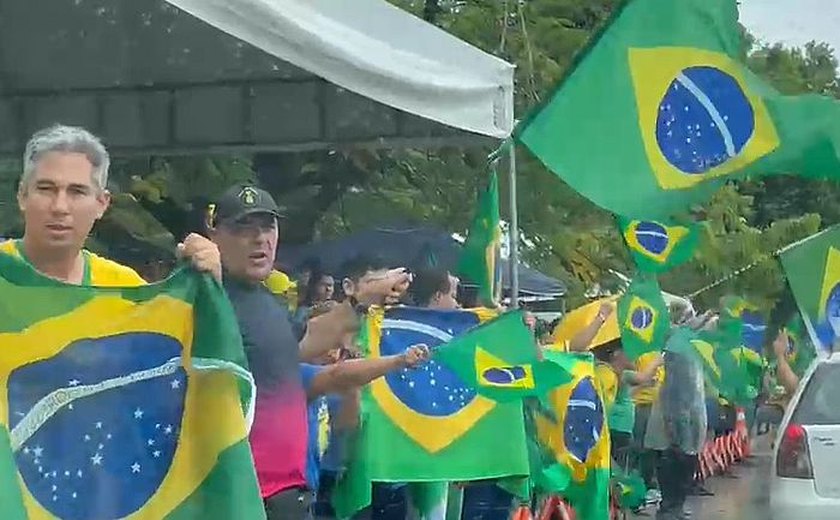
(64, 265)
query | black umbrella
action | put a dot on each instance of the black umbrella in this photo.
(408, 246)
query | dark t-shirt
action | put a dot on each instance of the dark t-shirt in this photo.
(279, 433)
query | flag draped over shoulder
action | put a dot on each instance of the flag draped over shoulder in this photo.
(426, 424)
(813, 272)
(123, 403)
(658, 111)
(571, 441)
(643, 317)
(499, 359)
(656, 246)
(478, 262)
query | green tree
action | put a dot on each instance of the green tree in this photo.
(330, 193)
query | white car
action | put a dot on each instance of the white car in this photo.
(805, 477)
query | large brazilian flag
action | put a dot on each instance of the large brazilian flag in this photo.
(658, 111)
(813, 272)
(122, 403)
(433, 426)
(571, 439)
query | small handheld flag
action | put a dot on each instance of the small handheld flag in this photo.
(501, 360)
(657, 247)
(478, 262)
(643, 317)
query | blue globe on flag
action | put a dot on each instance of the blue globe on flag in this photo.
(584, 420)
(653, 237)
(431, 389)
(704, 120)
(94, 429)
(641, 318)
(828, 328)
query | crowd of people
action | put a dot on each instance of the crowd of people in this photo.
(299, 337)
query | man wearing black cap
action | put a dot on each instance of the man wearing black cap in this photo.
(243, 223)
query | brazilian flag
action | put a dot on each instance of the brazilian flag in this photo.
(123, 403)
(500, 360)
(658, 247)
(643, 317)
(801, 351)
(434, 426)
(658, 112)
(571, 440)
(813, 272)
(478, 262)
(731, 328)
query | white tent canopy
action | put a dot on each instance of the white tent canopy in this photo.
(201, 76)
(378, 51)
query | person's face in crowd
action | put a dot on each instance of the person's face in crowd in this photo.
(351, 286)
(325, 288)
(447, 299)
(248, 246)
(60, 202)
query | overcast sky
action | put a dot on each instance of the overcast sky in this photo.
(793, 22)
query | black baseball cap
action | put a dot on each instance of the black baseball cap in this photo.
(242, 200)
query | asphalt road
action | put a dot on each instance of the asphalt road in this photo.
(745, 497)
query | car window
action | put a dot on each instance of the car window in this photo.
(818, 405)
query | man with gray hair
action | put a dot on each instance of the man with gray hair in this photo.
(62, 193)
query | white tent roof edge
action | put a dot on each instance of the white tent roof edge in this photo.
(376, 50)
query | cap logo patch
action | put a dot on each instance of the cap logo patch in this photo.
(210, 217)
(249, 196)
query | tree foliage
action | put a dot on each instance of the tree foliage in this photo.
(329, 192)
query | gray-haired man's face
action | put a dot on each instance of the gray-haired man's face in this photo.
(60, 202)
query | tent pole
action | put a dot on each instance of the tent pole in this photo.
(513, 232)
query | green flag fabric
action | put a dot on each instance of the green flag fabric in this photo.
(141, 395)
(657, 112)
(9, 490)
(813, 272)
(658, 247)
(478, 261)
(434, 427)
(630, 486)
(500, 360)
(643, 317)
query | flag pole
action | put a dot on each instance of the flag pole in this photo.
(513, 231)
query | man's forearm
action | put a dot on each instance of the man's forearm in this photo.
(580, 341)
(786, 376)
(352, 373)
